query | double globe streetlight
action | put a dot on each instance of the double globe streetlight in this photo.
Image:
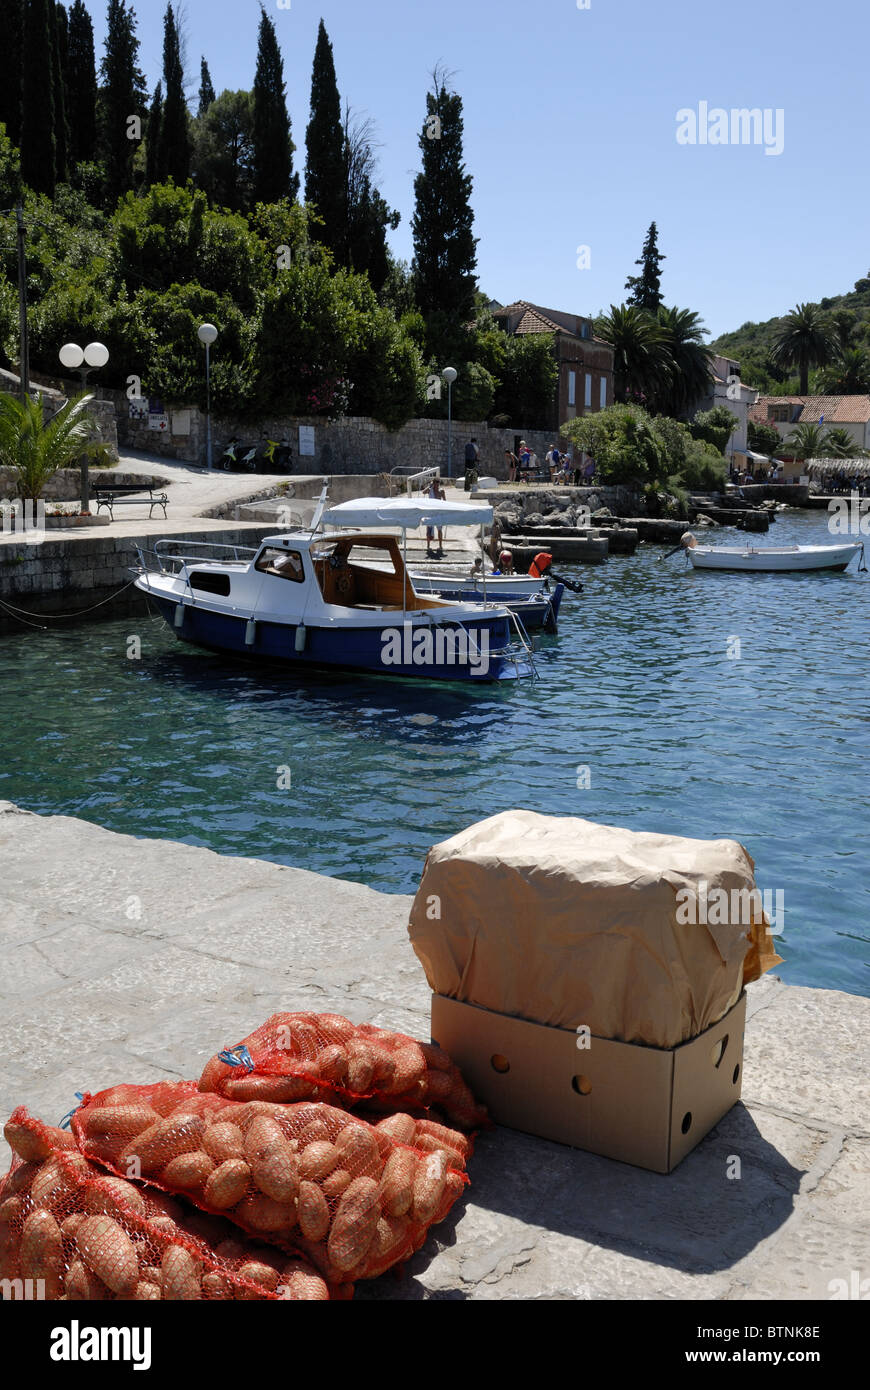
(84, 361)
(207, 334)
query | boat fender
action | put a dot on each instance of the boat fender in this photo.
(250, 632)
(541, 563)
(179, 615)
(301, 637)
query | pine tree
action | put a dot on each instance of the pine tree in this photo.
(644, 289)
(81, 85)
(174, 147)
(325, 168)
(445, 254)
(37, 96)
(60, 66)
(273, 146)
(152, 138)
(10, 68)
(206, 89)
(122, 96)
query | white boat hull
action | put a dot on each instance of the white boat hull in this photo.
(773, 559)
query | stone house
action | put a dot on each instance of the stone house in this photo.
(585, 362)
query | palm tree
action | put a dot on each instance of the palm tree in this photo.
(805, 340)
(839, 444)
(691, 374)
(806, 442)
(641, 364)
(36, 450)
(848, 375)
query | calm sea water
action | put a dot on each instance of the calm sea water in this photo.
(769, 746)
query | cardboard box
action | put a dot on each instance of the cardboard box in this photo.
(642, 1105)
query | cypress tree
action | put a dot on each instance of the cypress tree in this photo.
(152, 138)
(206, 89)
(60, 65)
(273, 146)
(10, 68)
(174, 145)
(81, 85)
(445, 254)
(645, 288)
(122, 95)
(326, 162)
(37, 96)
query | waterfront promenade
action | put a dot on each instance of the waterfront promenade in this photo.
(134, 960)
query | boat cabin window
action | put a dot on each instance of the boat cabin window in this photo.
(286, 564)
(210, 582)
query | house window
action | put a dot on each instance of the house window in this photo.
(587, 399)
(778, 413)
(572, 388)
(585, 330)
(602, 393)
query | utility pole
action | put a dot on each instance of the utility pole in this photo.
(24, 349)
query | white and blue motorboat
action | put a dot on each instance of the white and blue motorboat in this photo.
(340, 599)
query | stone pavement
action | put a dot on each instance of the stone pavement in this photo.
(134, 960)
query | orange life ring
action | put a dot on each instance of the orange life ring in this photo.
(541, 563)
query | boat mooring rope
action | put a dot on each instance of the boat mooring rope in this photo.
(14, 611)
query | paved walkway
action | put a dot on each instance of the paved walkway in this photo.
(134, 960)
(193, 491)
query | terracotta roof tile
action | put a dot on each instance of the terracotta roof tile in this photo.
(837, 410)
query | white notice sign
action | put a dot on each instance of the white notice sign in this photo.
(306, 440)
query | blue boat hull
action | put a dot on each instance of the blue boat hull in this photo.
(346, 648)
(540, 612)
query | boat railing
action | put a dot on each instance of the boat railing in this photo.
(523, 652)
(171, 561)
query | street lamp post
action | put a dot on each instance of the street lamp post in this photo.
(450, 374)
(84, 361)
(207, 334)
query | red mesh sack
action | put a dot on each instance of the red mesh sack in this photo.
(305, 1056)
(354, 1198)
(67, 1230)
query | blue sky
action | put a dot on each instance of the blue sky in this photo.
(570, 133)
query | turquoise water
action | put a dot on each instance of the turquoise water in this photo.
(770, 748)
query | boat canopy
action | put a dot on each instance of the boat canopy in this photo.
(407, 513)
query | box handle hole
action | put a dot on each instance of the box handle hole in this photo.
(687, 1122)
(736, 1074)
(499, 1063)
(718, 1050)
(582, 1085)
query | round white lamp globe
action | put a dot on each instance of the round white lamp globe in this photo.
(207, 333)
(450, 374)
(71, 355)
(96, 354)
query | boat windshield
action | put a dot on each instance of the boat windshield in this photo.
(286, 564)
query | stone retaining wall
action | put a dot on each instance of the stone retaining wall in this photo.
(77, 567)
(65, 484)
(355, 444)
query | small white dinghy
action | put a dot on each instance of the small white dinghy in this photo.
(769, 559)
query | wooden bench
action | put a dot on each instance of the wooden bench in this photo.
(111, 495)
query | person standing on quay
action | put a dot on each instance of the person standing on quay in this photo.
(472, 454)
